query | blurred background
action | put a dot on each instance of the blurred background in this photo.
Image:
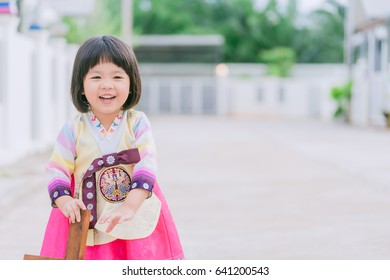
(301, 87)
(318, 59)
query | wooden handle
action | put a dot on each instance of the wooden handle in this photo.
(77, 238)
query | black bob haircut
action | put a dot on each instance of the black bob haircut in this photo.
(100, 49)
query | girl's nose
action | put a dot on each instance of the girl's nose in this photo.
(107, 86)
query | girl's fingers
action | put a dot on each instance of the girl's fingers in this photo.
(81, 204)
(112, 224)
(77, 215)
(71, 217)
(74, 211)
(66, 214)
(112, 219)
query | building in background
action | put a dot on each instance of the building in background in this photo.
(179, 48)
(367, 55)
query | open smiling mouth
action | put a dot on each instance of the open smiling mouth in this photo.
(106, 97)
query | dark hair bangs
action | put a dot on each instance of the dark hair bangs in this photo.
(103, 53)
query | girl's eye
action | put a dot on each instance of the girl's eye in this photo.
(95, 77)
(118, 77)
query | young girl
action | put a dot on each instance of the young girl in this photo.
(104, 160)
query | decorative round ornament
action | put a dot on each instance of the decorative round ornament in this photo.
(114, 184)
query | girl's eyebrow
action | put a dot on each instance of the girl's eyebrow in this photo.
(119, 71)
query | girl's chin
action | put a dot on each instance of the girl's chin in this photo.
(107, 101)
(106, 111)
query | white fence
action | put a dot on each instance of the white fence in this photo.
(35, 102)
(245, 91)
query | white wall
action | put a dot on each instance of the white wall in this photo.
(371, 95)
(305, 94)
(33, 88)
(244, 91)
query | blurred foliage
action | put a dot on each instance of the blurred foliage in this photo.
(248, 29)
(279, 61)
(326, 32)
(342, 95)
(105, 19)
(173, 17)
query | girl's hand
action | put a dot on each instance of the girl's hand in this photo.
(117, 216)
(70, 207)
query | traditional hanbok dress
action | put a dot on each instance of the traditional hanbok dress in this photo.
(100, 167)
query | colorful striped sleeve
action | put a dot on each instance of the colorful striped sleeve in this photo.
(144, 173)
(60, 167)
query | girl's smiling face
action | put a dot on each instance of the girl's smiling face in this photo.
(106, 87)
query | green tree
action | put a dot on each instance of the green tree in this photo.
(279, 61)
(172, 17)
(276, 34)
(248, 30)
(326, 34)
(104, 20)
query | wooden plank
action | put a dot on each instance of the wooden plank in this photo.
(34, 257)
(77, 239)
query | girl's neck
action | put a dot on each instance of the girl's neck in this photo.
(107, 124)
(106, 119)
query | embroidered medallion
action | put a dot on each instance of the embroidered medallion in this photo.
(114, 184)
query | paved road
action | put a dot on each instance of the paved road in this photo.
(245, 189)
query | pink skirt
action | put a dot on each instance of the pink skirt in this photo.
(162, 244)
